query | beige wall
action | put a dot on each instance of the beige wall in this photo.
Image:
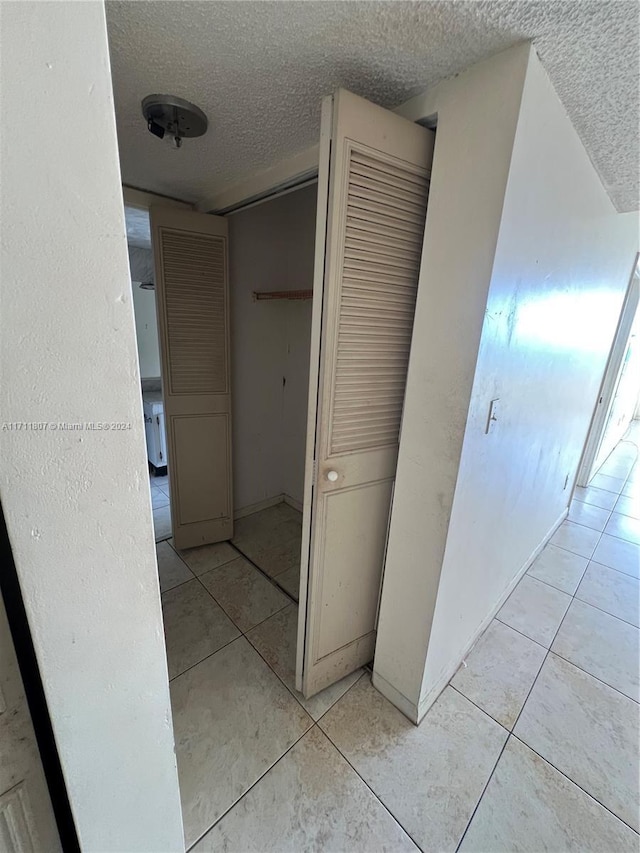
(477, 115)
(270, 248)
(144, 309)
(538, 279)
(77, 503)
(563, 261)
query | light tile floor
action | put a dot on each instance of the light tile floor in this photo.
(533, 746)
(160, 506)
(272, 540)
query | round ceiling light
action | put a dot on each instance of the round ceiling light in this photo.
(168, 114)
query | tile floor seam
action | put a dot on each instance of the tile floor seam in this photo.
(278, 675)
(364, 672)
(606, 612)
(591, 675)
(526, 636)
(573, 782)
(562, 548)
(244, 794)
(227, 614)
(342, 695)
(484, 710)
(206, 657)
(546, 657)
(264, 574)
(177, 586)
(590, 557)
(477, 805)
(542, 580)
(533, 684)
(512, 734)
(224, 542)
(588, 503)
(588, 526)
(364, 782)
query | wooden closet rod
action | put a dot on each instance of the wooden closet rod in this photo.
(282, 294)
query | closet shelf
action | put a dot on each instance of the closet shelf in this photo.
(259, 295)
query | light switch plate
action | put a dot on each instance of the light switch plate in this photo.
(493, 415)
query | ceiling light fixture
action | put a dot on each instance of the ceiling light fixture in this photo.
(168, 114)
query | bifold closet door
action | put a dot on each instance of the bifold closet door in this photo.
(192, 296)
(372, 198)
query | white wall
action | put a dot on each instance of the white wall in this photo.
(270, 248)
(77, 502)
(144, 310)
(555, 287)
(477, 115)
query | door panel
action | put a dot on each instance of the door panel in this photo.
(192, 293)
(27, 823)
(365, 289)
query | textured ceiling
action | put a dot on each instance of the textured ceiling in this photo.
(259, 70)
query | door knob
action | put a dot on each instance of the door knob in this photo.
(332, 476)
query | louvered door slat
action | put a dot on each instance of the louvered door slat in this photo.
(378, 292)
(195, 299)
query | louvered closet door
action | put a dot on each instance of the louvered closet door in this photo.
(192, 296)
(372, 200)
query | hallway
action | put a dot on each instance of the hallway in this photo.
(533, 745)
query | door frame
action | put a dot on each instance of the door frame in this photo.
(610, 378)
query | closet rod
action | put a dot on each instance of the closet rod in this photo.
(282, 294)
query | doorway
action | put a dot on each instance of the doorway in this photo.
(284, 331)
(618, 401)
(145, 314)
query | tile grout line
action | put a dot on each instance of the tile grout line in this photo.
(602, 532)
(244, 794)
(484, 790)
(228, 616)
(575, 595)
(573, 782)
(273, 580)
(515, 722)
(366, 784)
(511, 731)
(206, 657)
(595, 677)
(511, 734)
(546, 657)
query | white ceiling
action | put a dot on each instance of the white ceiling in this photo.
(259, 70)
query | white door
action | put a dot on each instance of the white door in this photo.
(372, 197)
(192, 293)
(27, 824)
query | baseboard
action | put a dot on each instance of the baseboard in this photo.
(292, 502)
(243, 511)
(251, 508)
(406, 706)
(416, 713)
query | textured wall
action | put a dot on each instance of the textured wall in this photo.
(270, 248)
(477, 116)
(77, 502)
(562, 265)
(525, 264)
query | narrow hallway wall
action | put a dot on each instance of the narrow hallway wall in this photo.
(76, 499)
